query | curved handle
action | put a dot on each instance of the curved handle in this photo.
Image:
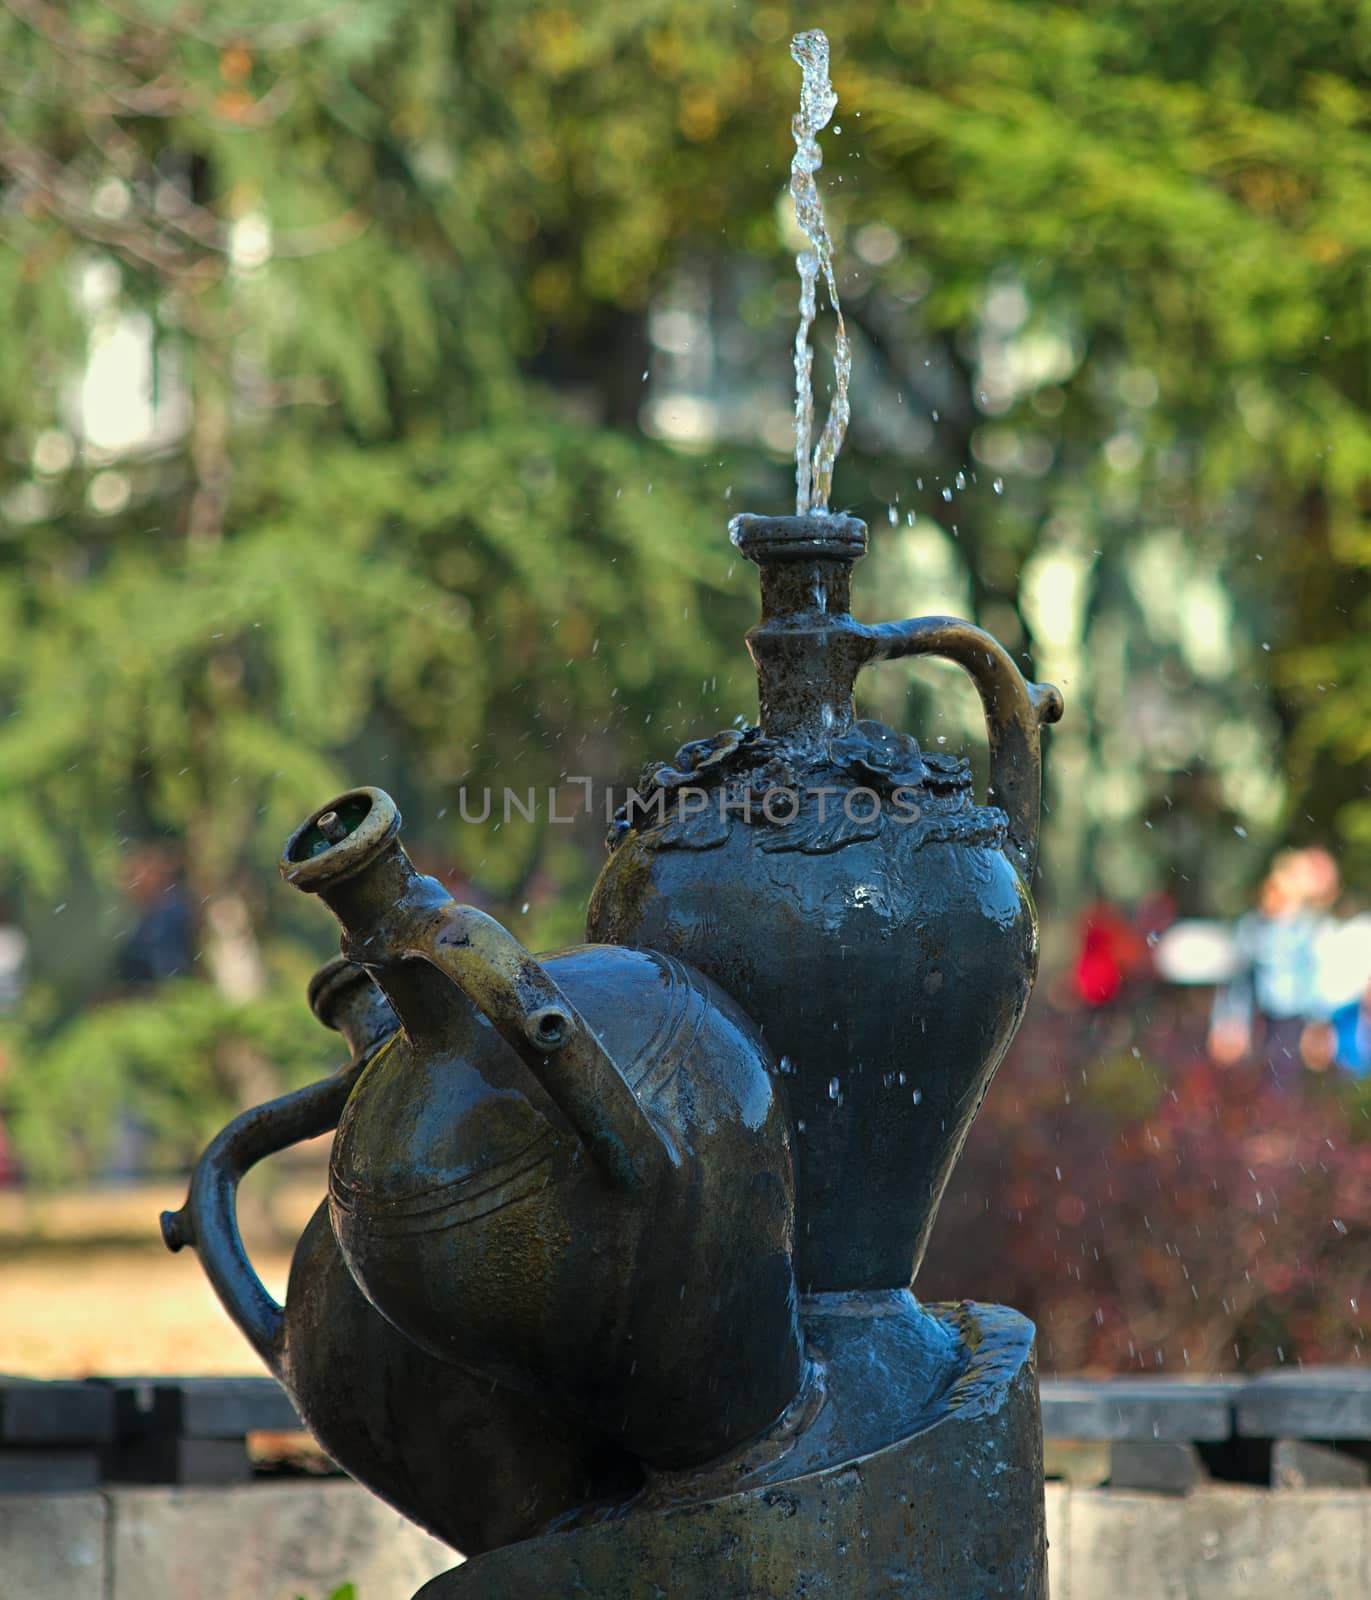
(208, 1221)
(1015, 712)
(529, 1010)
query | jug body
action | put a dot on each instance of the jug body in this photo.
(845, 887)
(558, 1157)
(890, 973)
(476, 1464)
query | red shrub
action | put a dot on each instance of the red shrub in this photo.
(1149, 1209)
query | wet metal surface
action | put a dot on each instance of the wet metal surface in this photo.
(611, 1287)
(883, 936)
(953, 1511)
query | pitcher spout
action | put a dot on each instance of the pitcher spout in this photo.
(432, 956)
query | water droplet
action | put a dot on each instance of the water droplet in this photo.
(832, 1088)
(1339, 1224)
(998, 485)
(524, 908)
(894, 515)
(786, 1066)
(1241, 832)
(947, 494)
(917, 1096)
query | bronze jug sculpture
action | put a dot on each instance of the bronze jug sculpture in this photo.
(556, 1159)
(844, 887)
(550, 1308)
(476, 1464)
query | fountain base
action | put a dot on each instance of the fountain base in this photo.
(912, 1466)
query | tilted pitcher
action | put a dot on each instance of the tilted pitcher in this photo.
(557, 1158)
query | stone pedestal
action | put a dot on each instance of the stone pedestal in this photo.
(910, 1467)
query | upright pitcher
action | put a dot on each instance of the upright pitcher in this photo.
(845, 887)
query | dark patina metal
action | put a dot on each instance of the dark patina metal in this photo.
(878, 926)
(476, 1464)
(557, 1160)
(550, 1307)
(935, 1501)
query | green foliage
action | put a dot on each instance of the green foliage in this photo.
(398, 520)
(173, 1059)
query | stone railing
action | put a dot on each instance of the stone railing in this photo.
(1296, 1429)
(127, 1489)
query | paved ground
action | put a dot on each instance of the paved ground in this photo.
(87, 1287)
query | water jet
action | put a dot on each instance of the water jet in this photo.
(613, 1284)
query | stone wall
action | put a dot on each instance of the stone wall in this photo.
(283, 1540)
(267, 1541)
(1254, 1488)
(1220, 1542)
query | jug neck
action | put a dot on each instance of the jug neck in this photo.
(344, 997)
(349, 854)
(807, 648)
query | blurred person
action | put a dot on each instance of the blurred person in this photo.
(9, 1163)
(160, 945)
(1339, 1035)
(14, 949)
(1111, 951)
(1263, 1012)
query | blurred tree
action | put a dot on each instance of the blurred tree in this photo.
(287, 503)
(1168, 190)
(327, 457)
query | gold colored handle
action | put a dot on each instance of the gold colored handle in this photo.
(531, 1012)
